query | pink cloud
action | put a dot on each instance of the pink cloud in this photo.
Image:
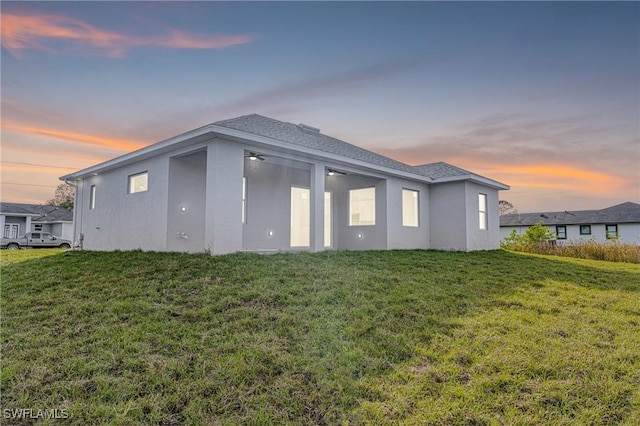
(38, 32)
(98, 141)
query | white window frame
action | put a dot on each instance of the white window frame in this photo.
(11, 230)
(328, 216)
(297, 237)
(483, 221)
(357, 204)
(244, 199)
(92, 197)
(131, 188)
(414, 197)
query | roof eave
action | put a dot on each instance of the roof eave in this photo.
(20, 214)
(53, 221)
(140, 154)
(476, 179)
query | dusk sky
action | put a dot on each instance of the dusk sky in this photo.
(542, 96)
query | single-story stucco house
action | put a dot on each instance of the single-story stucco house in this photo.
(253, 183)
(620, 223)
(16, 219)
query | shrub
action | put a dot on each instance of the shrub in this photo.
(536, 237)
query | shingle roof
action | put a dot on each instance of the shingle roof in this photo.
(309, 137)
(14, 208)
(43, 213)
(622, 213)
(441, 170)
(301, 135)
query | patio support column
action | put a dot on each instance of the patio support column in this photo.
(27, 225)
(317, 207)
(223, 204)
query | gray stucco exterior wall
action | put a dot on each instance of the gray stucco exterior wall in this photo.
(482, 239)
(455, 217)
(448, 222)
(194, 202)
(121, 220)
(405, 237)
(186, 202)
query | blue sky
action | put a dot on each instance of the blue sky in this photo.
(543, 96)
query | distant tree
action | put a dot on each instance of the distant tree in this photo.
(64, 197)
(505, 207)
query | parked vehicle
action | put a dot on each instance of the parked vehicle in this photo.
(35, 240)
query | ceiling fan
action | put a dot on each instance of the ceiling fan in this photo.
(253, 156)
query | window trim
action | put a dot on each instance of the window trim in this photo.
(564, 227)
(417, 207)
(351, 206)
(10, 227)
(608, 234)
(587, 230)
(328, 220)
(244, 199)
(307, 236)
(483, 217)
(130, 186)
(92, 197)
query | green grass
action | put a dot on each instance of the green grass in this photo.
(396, 337)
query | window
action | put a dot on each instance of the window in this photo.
(409, 207)
(362, 207)
(482, 210)
(11, 230)
(561, 232)
(327, 219)
(92, 197)
(37, 227)
(138, 182)
(300, 217)
(612, 232)
(585, 229)
(244, 200)
(35, 235)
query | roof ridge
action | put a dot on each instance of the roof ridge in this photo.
(313, 134)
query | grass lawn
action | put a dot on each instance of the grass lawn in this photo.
(395, 337)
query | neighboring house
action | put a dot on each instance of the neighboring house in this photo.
(253, 183)
(620, 223)
(17, 219)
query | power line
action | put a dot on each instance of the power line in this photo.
(40, 165)
(27, 184)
